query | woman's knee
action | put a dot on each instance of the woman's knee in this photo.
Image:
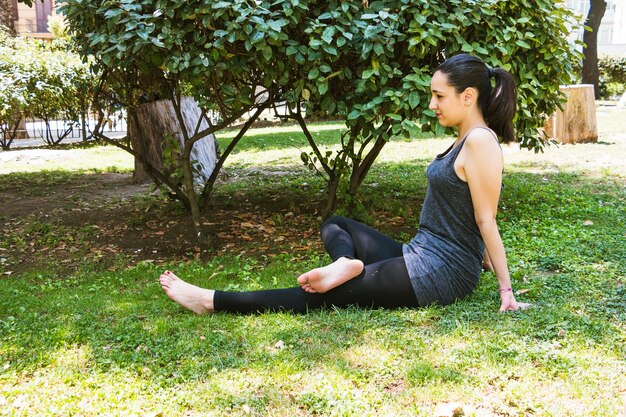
(339, 221)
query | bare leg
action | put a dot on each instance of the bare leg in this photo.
(196, 299)
(330, 276)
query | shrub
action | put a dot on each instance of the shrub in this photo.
(612, 75)
(612, 68)
(368, 63)
(40, 80)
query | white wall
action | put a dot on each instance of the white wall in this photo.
(612, 32)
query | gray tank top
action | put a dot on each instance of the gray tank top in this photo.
(444, 259)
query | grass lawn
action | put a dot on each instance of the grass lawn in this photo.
(97, 337)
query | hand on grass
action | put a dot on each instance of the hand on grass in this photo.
(508, 302)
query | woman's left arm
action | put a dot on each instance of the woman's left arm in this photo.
(482, 166)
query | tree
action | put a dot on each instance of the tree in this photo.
(143, 49)
(366, 63)
(378, 79)
(591, 74)
(38, 79)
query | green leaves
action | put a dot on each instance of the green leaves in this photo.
(368, 65)
(38, 80)
(328, 34)
(613, 68)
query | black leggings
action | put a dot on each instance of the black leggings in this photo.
(384, 281)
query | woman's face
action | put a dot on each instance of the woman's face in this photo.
(445, 101)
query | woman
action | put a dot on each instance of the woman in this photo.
(442, 263)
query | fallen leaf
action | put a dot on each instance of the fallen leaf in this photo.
(397, 220)
(587, 223)
(7, 273)
(522, 291)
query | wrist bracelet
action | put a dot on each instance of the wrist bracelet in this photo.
(506, 289)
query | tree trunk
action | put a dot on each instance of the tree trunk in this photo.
(331, 203)
(157, 121)
(591, 75)
(7, 15)
(576, 123)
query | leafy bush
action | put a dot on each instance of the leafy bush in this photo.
(367, 63)
(612, 75)
(40, 80)
(612, 68)
(13, 91)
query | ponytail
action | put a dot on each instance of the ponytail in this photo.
(497, 103)
(501, 107)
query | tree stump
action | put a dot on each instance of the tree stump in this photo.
(576, 123)
(157, 121)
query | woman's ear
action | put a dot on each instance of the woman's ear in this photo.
(469, 96)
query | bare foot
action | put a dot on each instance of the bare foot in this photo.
(196, 299)
(330, 276)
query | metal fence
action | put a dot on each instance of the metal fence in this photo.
(37, 132)
(34, 132)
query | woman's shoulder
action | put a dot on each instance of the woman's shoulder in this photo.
(482, 139)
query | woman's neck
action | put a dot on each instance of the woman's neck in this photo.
(468, 124)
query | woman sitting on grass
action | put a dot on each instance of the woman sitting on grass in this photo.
(442, 263)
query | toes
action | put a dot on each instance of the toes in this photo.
(303, 279)
(165, 280)
(308, 289)
(171, 275)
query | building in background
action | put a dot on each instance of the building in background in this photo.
(33, 21)
(612, 33)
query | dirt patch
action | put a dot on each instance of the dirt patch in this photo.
(107, 220)
(22, 199)
(61, 221)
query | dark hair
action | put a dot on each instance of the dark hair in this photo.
(497, 103)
